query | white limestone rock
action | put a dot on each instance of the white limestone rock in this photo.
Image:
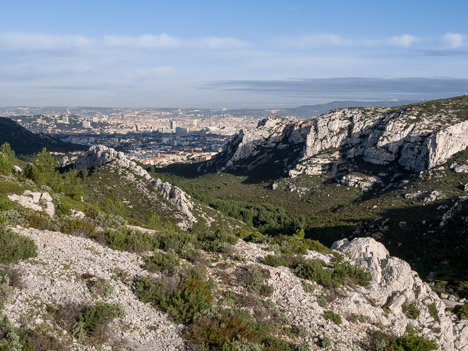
(35, 201)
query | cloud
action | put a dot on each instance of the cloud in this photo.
(25, 41)
(350, 88)
(314, 41)
(404, 40)
(146, 41)
(453, 40)
(44, 42)
(220, 43)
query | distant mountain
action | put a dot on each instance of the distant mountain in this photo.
(25, 142)
(307, 111)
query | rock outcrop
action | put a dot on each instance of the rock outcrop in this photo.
(394, 287)
(36, 201)
(102, 156)
(415, 138)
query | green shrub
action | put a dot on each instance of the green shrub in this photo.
(276, 260)
(161, 261)
(325, 342)
(314, 270)
(100, 287)
(308, 288)
(7, 157)
(218, 333)
(461, 311)
(344, 270)
(5, 290)
(15, 247)
(433, 312)
(9, 338)
(95, 319)
(182, 303)
(78, 227)
(381, 341)
(5, 203)
(414, 343)
(216, 241)
(253, 278)
(411, 310)
(332, 316)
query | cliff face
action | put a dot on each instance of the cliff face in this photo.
(413, 138)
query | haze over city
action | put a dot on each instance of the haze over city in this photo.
(230, 54)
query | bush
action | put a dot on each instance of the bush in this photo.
(216, 241)
(433, 312)
(94, 320)
(9, 338)
(461, 311)
(332, 316)
(308, 288)
(381, 341)
(182, 302)
(15, 247)
(253, 278)
(78, 227)
(5, 290)
(325, 342)
(217, 333)
(344, 271)
(411, 310)
(276, 260)
(314, 270)
(161, 261)
(7, 157)
(100, 287)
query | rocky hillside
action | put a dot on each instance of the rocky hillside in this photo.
(410, 138)
(113, 175)
(25, 142)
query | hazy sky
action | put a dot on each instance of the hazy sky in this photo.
(230, 53)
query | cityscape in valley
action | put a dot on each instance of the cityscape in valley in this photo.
(233, 176)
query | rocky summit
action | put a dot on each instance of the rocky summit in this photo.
(410, 138)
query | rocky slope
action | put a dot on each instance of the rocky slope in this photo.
(410, 138)
(60, 275)
(164, 194)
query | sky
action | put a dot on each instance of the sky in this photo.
(235, 54)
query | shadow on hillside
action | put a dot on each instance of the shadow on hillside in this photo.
(415, 234)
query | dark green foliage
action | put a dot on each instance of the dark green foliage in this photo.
(72, 185)
(43, 171)
(411, 310)
(15, 247)
(433, 312)
(342, 271)
(381, 341)
(95, 319)
(182, 303)
(332, 316)
(7, 157)
(78, 227)
(5, 203)
(161, 261)
(216, 241)
(315, 270)
(276, 260)
(39, 340)
(461, 311)
(325, 342)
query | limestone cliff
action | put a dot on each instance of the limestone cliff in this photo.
(412, 138)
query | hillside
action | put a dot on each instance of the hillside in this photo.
(107, 256)
(27, 143)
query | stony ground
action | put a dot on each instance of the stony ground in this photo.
(54, 278)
